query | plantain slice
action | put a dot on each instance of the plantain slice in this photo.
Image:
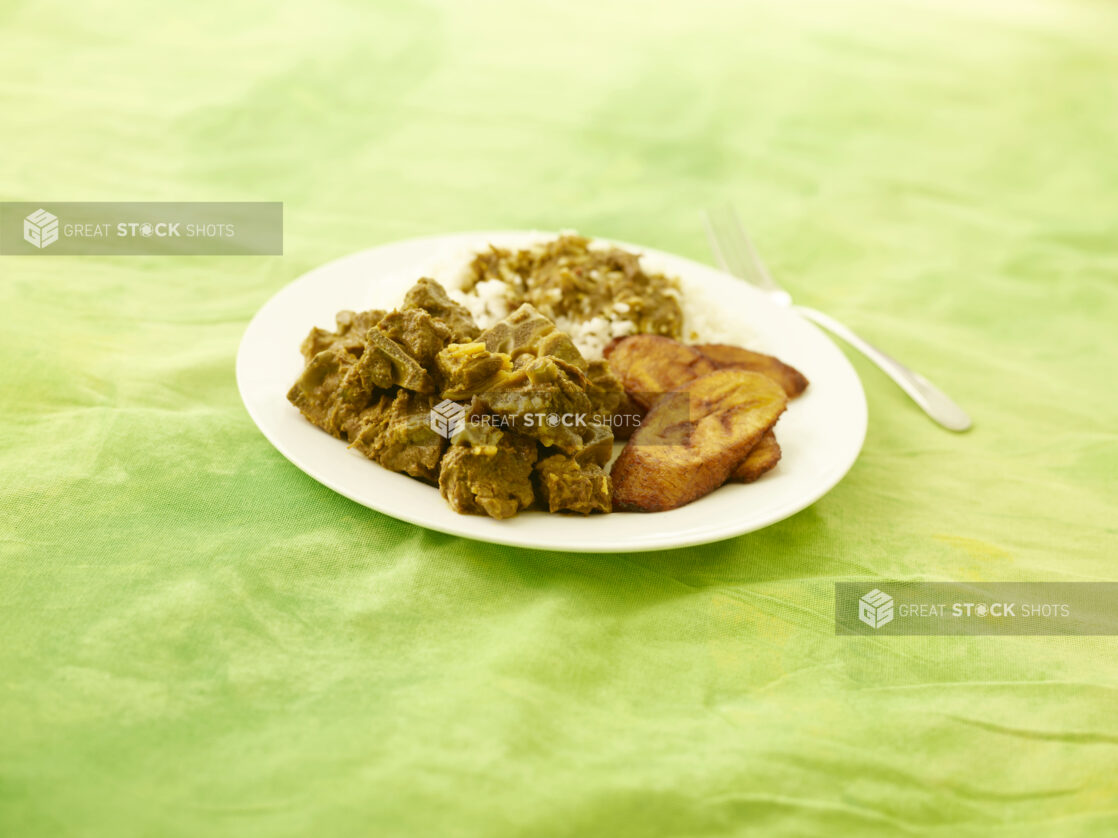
(764, 456)
(724, 356)
(649, 365)
(693, 438)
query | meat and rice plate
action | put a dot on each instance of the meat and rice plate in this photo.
(514, 354)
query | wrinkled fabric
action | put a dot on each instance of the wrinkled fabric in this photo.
(198, 639)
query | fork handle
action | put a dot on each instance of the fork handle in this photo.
(936, 403)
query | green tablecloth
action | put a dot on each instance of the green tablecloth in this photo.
(197, 639)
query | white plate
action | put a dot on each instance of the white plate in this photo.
(821, 434)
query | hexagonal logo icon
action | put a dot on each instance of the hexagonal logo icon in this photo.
(875, 609)
(447, 418)
(40, 228)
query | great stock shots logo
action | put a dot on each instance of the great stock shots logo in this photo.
(976, 608)
(122, 228)
(875, 609)
(447, 418)
(40, 228)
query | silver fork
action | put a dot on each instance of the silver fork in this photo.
(736, 255)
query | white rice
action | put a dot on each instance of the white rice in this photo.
(491, 300)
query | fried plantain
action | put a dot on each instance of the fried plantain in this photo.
(657, 365)
(649, 365)
(764, 456)
(693, 438)
(724, 356)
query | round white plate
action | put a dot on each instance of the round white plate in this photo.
(821, 433)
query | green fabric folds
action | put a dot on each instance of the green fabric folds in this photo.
(198, 640)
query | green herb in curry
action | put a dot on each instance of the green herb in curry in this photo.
(374, 381)
(566, 279)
